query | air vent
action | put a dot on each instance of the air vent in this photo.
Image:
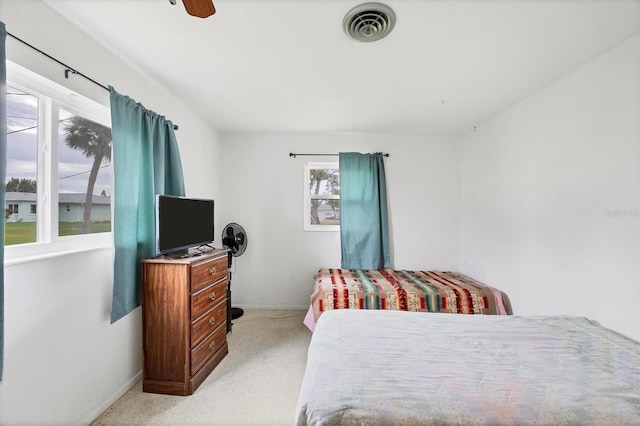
(369, 22)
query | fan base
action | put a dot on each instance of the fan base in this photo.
(236, 313)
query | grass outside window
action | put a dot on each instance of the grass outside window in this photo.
(25, 232)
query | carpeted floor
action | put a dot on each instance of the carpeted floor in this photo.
(256, 384)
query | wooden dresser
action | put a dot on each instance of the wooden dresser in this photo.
(184, 321)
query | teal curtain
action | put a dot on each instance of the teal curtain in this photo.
(3, 173)
(146, 162)
(364, 223)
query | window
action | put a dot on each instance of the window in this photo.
(58, 166)
(322, 197)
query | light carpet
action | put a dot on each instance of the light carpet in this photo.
(257, 383)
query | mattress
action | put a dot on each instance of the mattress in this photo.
(404, 290)
(393, 367)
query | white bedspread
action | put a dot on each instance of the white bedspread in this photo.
(403, 368)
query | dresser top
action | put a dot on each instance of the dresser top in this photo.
(190, 259)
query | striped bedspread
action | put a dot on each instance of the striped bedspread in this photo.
(402, 290)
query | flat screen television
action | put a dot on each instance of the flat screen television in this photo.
(183, 223)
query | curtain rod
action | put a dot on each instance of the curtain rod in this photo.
(291, 154)
(68, 69)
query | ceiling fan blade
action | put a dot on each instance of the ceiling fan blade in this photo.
(199, 8)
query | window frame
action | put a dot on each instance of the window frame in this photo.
(310, 165)
(53, 97)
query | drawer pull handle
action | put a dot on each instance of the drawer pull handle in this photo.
(212, 271)
(212, 345)
(212, 296)
(212, 320)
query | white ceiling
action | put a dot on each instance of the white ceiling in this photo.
(287, 66)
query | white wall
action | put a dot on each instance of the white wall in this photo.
(263, 192)
(550, 196)
(64, 363)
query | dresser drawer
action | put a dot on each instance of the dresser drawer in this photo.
(207, 298)
(205, 350)
(208, 272)
(208, 322)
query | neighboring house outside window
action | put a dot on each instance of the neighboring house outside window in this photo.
(20, 203)
(321, 196)
(71, 212)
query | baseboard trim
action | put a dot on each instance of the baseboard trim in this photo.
(274, 307)
(88, 418)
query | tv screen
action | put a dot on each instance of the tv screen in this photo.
(182, 223)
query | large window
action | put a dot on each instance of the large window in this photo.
(58, 181)
(322, 197)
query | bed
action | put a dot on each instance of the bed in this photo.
(393, 367)
(403, 290)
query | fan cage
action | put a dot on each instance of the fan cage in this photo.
(236, 229)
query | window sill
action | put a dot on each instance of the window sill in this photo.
(322, 228)
(28, 253)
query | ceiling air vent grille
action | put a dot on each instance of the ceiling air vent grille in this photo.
(369, 22)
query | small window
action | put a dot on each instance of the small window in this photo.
(32, 209)
(322, 197)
